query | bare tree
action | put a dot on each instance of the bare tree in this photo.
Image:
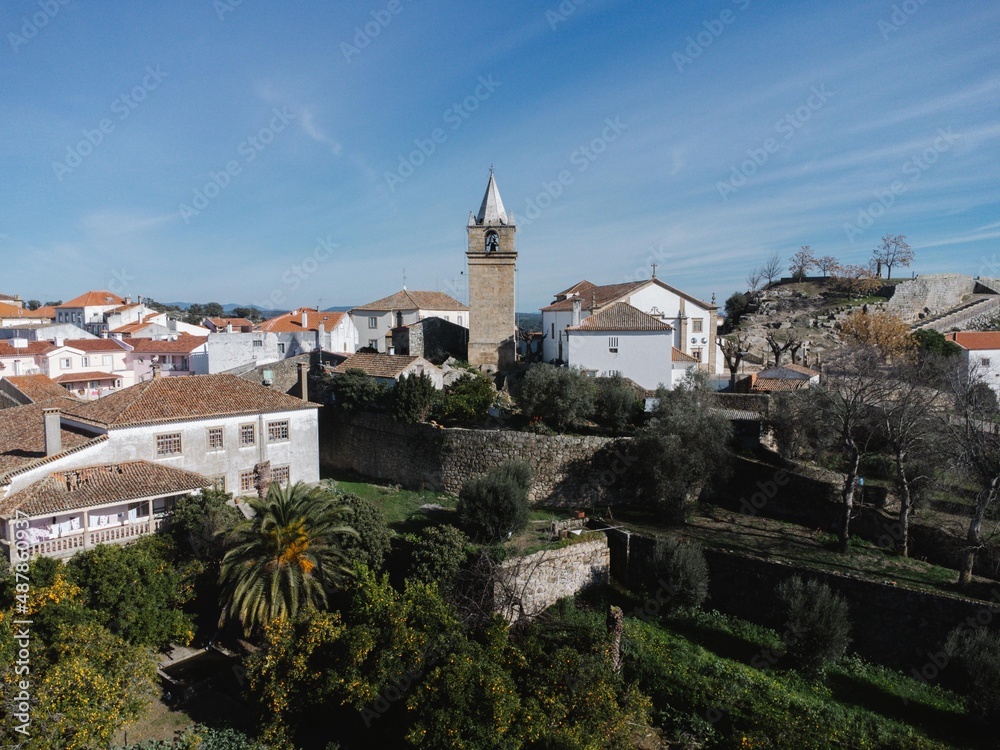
(893, 252)
(771, 269)
(827, 264)
(845, 401)
(906, 406)
(754, 279)
(976, 443)
(781, 345)
(801, 262)
(734, 349)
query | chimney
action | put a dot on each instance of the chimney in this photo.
(139, 299)
(154, 367)
(305, 319)
(577, 309)
(59, 341)
(229, 327)
(53, 434)
(304, 379)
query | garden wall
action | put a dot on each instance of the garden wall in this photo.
(528, 585)
(568, 471)
(898, 627)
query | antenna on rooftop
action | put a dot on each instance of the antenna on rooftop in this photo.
(404, 279)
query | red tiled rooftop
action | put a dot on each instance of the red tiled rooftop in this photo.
(975, 340)
(22, 436)
(620, 316)
(97, 298)
(85, 377)
(179, 399)
(75, 489)
(181, 345)
(291, 322)
(39, 388)
(376, 365)
(410, 300)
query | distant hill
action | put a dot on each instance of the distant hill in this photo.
(529, 321)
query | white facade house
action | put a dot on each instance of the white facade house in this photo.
(173, 356)
(623, 340)
(694, 323)
(162, 438)
(89, 367)
(981, 352)
(376, 320)
(87, 311)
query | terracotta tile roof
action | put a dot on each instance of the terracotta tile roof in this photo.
(291, 322)
(22, 437)
(592, 295)
(975, 340)
(94, 345)
(75, 489)
(39, 388)
(407, 300)
(46, 311)
(33, 348)
(123, 308)
(179, 399)
(603, 295)
(234, 322)
(578, 287)
(376, 365)
(94, 299)
(620, 316)
(181, 345)
(129, 328)
(676, 355)
(85, 377)
(13, 311)
(773, 385)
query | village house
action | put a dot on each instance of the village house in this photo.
(780, 379)
(90, 367)
(623, 340)
(389, 368)
(109, 471)
(87, 311)
(305, 329)
(376, 320)
(17, 315)
(981, 354)
(227, 325)
(693, 323)
(177, 355)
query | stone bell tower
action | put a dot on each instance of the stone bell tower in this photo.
(491, 256)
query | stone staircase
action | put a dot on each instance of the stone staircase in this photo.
(982, 306)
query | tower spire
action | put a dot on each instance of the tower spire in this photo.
(492, 211)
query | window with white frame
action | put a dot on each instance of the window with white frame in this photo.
(281, 475)
(169, 444)
(248, 435)
(219, 482)
(277, 431)
(696, 325)
(85, 361)
(216, 439)
(106, 360)
(65, 363)
(246, 481)
(372, 321)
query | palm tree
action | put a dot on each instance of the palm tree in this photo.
(286, 558)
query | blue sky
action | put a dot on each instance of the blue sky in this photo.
(265, 152)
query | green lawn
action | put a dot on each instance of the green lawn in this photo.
(401, 507)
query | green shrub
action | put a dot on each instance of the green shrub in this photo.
(977, 654)
(439, 553)
(682, 567)
(413, 397)
(355, 391)
(617, 406)
(562, 397)
(198, 521)
(374, 540)
(469, 398)
(818, 624)
(494, 505)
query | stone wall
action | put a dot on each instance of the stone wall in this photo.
(930, 294)
(528, 585)
(568, 471)
(434, 339)
(890, 625)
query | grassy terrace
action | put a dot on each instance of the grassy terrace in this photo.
(721, 529)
